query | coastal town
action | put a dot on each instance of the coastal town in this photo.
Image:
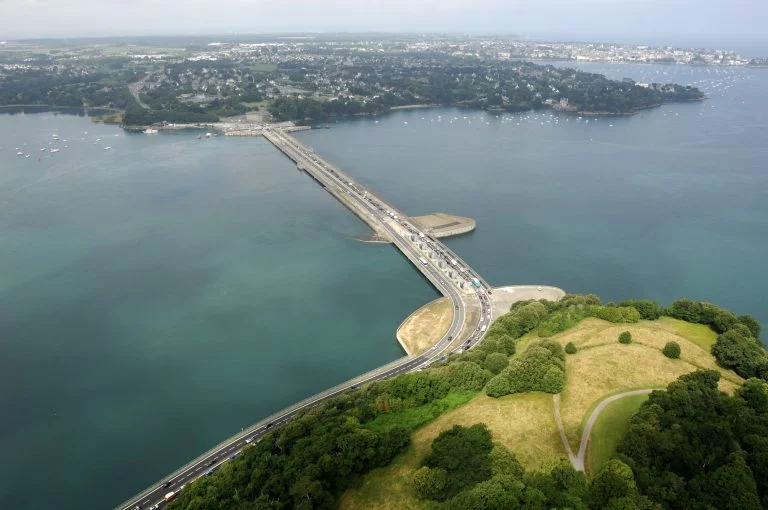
(317, 78)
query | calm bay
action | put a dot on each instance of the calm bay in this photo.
(161, 294)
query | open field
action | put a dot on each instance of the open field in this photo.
(426, 326)
(602, 366)
(610, 429)
(523, 423)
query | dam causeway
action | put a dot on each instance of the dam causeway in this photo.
(475, 302)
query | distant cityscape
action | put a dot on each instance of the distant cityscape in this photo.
(495, 48)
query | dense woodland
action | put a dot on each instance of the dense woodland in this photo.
(689, 447)
(693, 446)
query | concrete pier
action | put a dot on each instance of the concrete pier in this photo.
(444, 225)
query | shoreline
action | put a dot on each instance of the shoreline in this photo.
(413, 106)
(309, 122)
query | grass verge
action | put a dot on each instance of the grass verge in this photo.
(609, 429)
(414, 417)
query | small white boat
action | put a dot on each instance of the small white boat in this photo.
(54, 150)
(150, 131)
(107, 148)
(208, 135)
(26, 155)
(43, 149)
(19, 153)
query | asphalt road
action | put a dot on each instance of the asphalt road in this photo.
(398, 231)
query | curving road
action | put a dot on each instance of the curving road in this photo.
(577, 460)
(447, 272)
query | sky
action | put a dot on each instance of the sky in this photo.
(638, 21)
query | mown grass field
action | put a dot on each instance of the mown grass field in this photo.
(610, 429)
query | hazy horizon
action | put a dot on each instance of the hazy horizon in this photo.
(674, 22)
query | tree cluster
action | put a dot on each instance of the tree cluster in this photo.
(739, 351)
(310, 460)
(717, 318)
(306, 109)
(64, 88)
(465, 470)
(737, 347)
(541, 367)
(693, 446)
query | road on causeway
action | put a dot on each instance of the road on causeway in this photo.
(441, 266)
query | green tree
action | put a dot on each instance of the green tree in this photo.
(732, 485)
(507, 344)
(614, 481)
(671, 350)
(467, 375)
(738, 352)
(496, 362)
(504, 462)
(430, 483)
(751, 323)
(625, 337)
(570, 348)
(463, 452)
(649, 310)
(724, 321)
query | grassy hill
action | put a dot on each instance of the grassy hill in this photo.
(525, 422)
(509, 421)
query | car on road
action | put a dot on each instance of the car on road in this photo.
(167, 484)
(211, 462)
(269, 425)
(249, 440)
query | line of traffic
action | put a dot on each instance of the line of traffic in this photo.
(392, 222)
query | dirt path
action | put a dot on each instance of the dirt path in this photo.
(577, 461)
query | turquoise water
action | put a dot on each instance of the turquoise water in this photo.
(160, 295)
(667, 203)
